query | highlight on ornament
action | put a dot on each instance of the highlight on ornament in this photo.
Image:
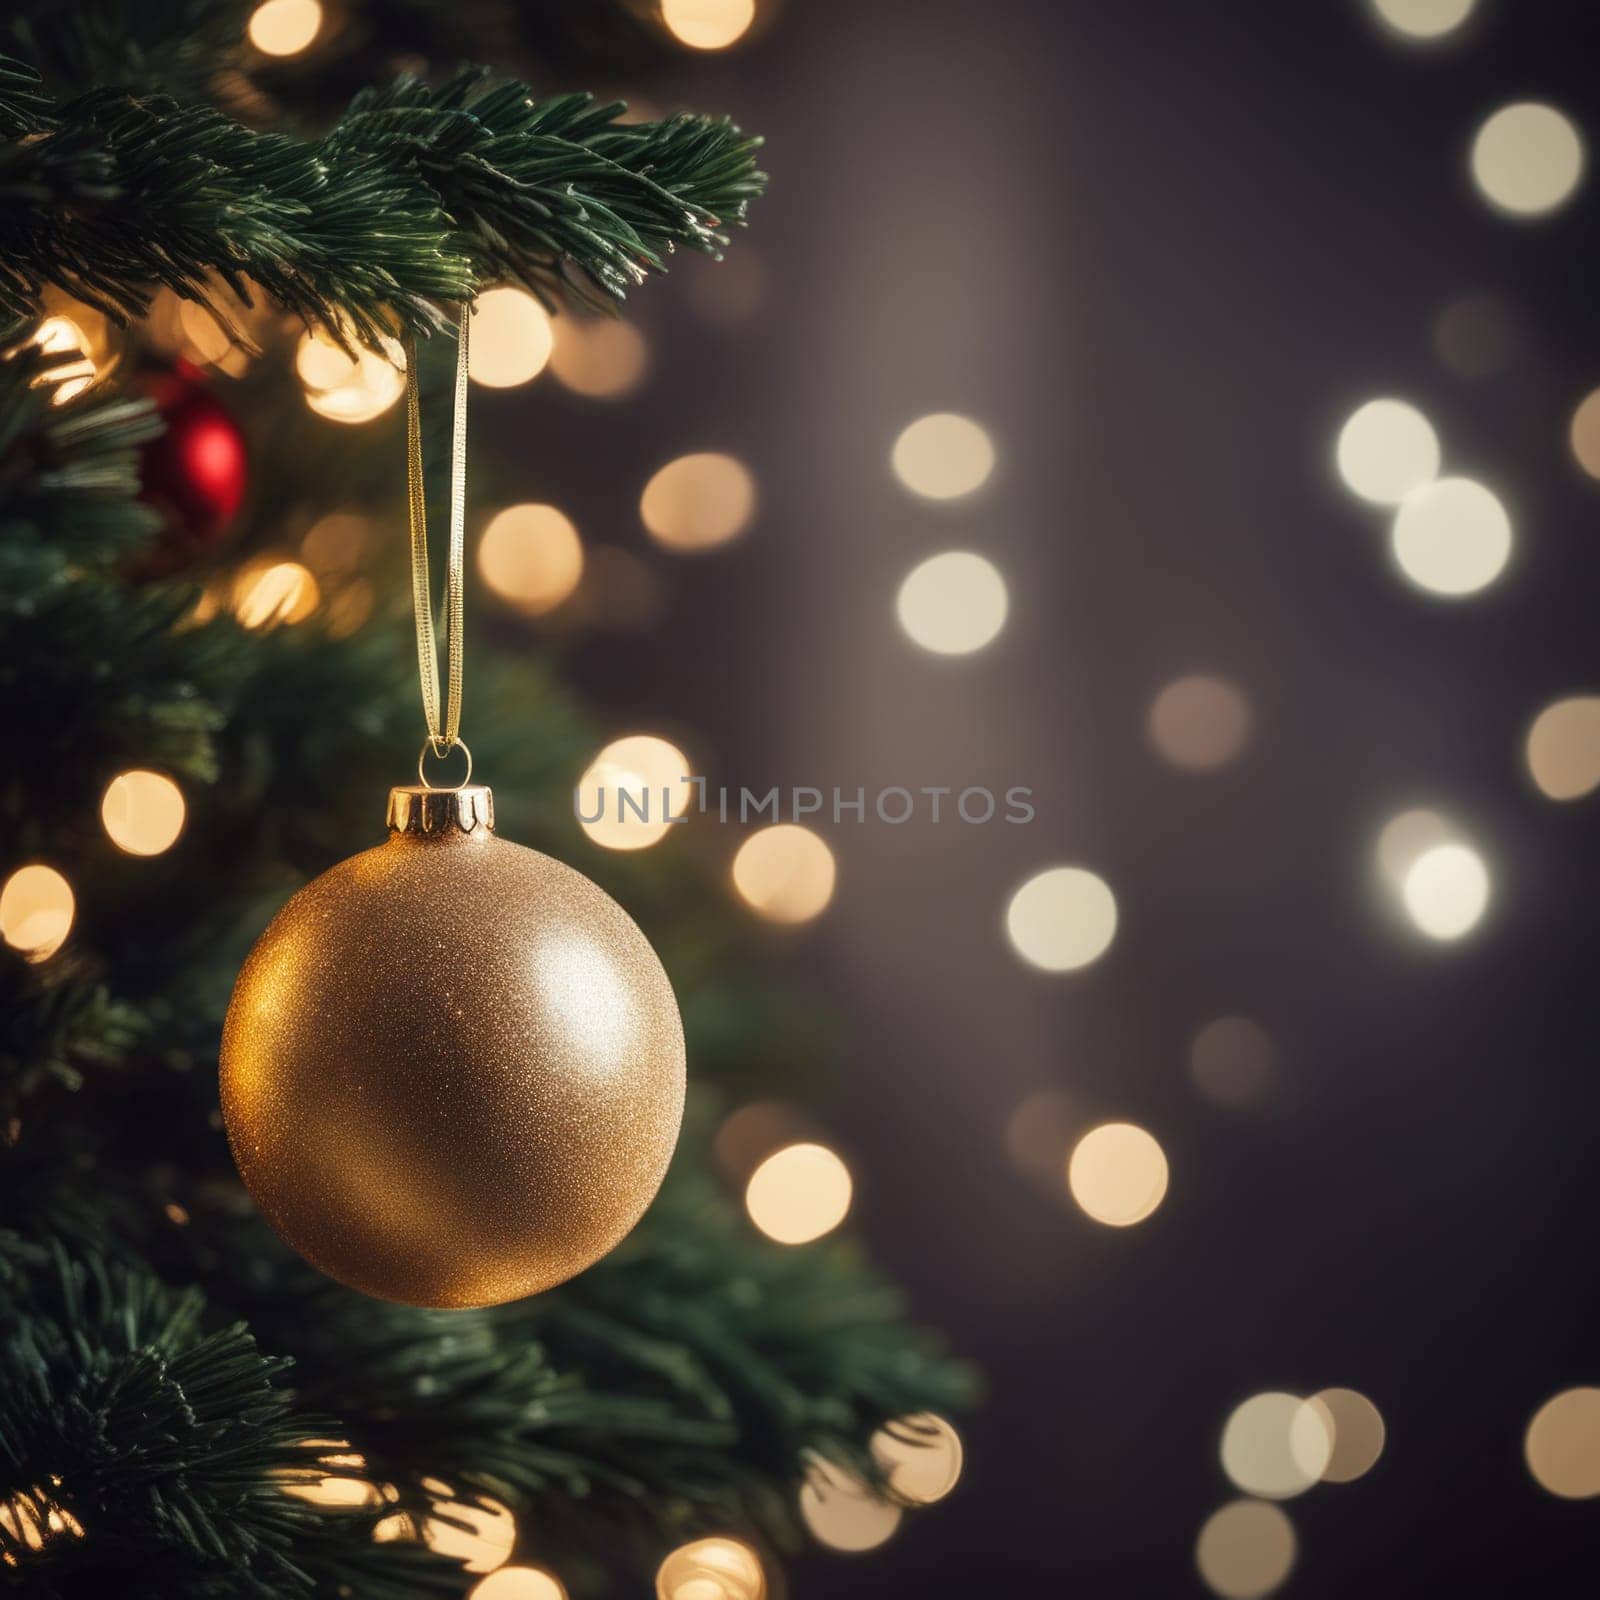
(36, 911)
(697, 502)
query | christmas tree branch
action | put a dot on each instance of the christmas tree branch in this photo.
(416, 197)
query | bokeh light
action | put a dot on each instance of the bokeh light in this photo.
(708, 24)
(1423, 19)
(1563, 748)
(1039, 1135)
(62, 335)
(337, 542)
(844, 1513)
(1446, 890)
(36, 911)
(348, 1487)
(1199, 723)
(953, 604)
(346, 388)
(718, 1568)
(531, 557)
(1245, 1550)
(696, 502)
(1354, 1427)
(142, 812)
(519, 1583)
(921, 1457)
(749, 1135)
(1477, 336)
(1231, 1060)
(22, 1523)
(1118, 1174)
(629, 794)
(1527, 159)
(1062, 919)
(1585, 433)
(619, 591)
(1276, 1446)
(480, 1537)
(1404, 838)
(1386, 449)
(943, 456)
(799, 1193)
(1562, 1446)
(786, 873)
(510, 339)
(274, 592)
(284, 27)
(599, 358)
(1452, 537)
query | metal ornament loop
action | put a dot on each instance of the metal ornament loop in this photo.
(441, 748)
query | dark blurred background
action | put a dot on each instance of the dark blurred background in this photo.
(1161, 252)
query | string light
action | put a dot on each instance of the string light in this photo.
(698, 501)
(349, 388)
(1527, 160)
(284, 27)
(1452, 537)
(708, 24)
(1562, 1446)
(1230, 1061)
(718, 1568)
(519, 1583)
(1118, 1174)
(842, 1512)
(275, 592)
(630, 792)
(1355, 1430)
(1386, 449)
(1062, 919)
(1199, 723)
(1276, 1446)
(1446, 890)
(1423, 19)
(799, 1193)
(601, 359)
(943, 456)
(36, 911)
(1245, 1550)
(953, 604)
(1563, 748)
(921, 1457)
(531, 556)
(511, 339)
(142, 812)
(785, 873)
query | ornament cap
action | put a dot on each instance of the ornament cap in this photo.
(429, 813)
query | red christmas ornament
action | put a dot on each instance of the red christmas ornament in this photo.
(195, 473)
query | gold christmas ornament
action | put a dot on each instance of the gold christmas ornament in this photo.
(452, 1068)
